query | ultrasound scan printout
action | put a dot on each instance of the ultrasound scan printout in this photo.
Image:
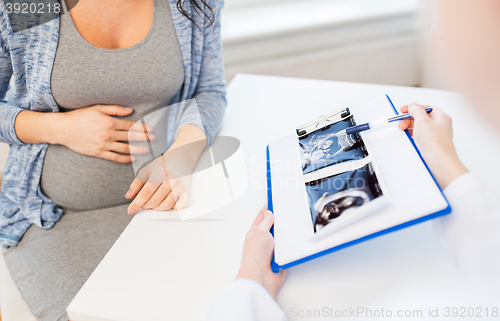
(343, 193)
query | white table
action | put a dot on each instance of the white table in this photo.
(164, 269)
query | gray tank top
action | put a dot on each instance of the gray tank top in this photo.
(145, 77)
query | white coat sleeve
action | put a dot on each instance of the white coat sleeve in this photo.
(472, 232)
(245, 300)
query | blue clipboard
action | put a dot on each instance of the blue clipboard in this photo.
(276, 268)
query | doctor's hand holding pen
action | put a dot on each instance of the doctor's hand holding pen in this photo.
(433, 135)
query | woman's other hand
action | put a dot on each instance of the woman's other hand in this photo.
(164, 183)
(258, 252)
(433, 135)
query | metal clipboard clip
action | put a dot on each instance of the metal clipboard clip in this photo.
(323, 123)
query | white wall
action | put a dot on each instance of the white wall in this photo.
(431, 75)
(373, 41)
(389, 61)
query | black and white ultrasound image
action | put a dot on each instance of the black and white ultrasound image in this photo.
(321, 148)
(333, 196)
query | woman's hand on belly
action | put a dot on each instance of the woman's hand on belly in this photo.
(93, 131)
(164, 183)
(89, 131)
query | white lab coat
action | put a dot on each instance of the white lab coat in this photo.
(245, 300)
(471, 233)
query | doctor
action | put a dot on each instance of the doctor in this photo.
(470, 43)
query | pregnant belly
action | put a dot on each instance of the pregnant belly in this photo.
(78, 182)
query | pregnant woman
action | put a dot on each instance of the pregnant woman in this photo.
(80, 82)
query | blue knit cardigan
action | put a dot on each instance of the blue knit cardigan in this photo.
(28, 56)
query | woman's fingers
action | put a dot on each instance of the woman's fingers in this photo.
(134, 188)
(114, 110)
(128, 125)
(182, 202)
(114, 157)
(160, 192)
(158, 197)
(129, 136)
(142, 197)
(122, 124)
(131, 126)
(178, 186)
(128, 149)
(141, 128)
(167, 204)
